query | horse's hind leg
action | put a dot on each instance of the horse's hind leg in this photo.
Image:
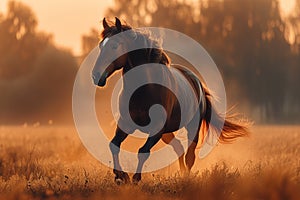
(193, 137)
(190, 155)
(114, 145)
(169, 138)
(144, 153)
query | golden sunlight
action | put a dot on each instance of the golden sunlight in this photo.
(287, 6)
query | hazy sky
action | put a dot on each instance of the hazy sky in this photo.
(67, 20)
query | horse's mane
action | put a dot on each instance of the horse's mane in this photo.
(156, 54)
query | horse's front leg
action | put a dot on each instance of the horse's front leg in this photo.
(114, 146)
(144, 153)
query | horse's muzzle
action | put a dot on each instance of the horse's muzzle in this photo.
(102, 83)
(98, 79)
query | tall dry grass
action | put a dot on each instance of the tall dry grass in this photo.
(50, 162)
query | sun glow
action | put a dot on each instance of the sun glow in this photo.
(287, 7)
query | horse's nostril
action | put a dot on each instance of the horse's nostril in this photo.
(96, 75)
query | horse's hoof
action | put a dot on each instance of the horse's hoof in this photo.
(136, 178)
(121, 177)
(118, 181)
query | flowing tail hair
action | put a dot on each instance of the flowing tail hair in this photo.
(228, 125)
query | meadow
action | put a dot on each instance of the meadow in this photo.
(38, 162)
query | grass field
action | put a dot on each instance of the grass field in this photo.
(50, 162)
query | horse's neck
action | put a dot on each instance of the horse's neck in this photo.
(147, 74)
(132, 62)
(132, 76)
(136, 59)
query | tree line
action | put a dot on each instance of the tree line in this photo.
(254, 46)
(36, 77)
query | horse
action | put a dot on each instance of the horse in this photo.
(151, 94)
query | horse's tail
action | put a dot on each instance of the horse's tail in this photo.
(228, 126)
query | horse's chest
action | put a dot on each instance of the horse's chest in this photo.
(139, 103)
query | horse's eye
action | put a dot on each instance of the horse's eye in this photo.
(114, 45)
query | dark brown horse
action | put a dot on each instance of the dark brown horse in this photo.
(151, 94)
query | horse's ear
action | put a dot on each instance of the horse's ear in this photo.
(105, 24)
(118, 24)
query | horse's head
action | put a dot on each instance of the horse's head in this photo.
(110, 47)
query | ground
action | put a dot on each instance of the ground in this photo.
(50, 162)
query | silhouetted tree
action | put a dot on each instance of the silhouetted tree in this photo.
(248, 40)
(169, 14)
(20, 44)
(36, 78)
(89, 41)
